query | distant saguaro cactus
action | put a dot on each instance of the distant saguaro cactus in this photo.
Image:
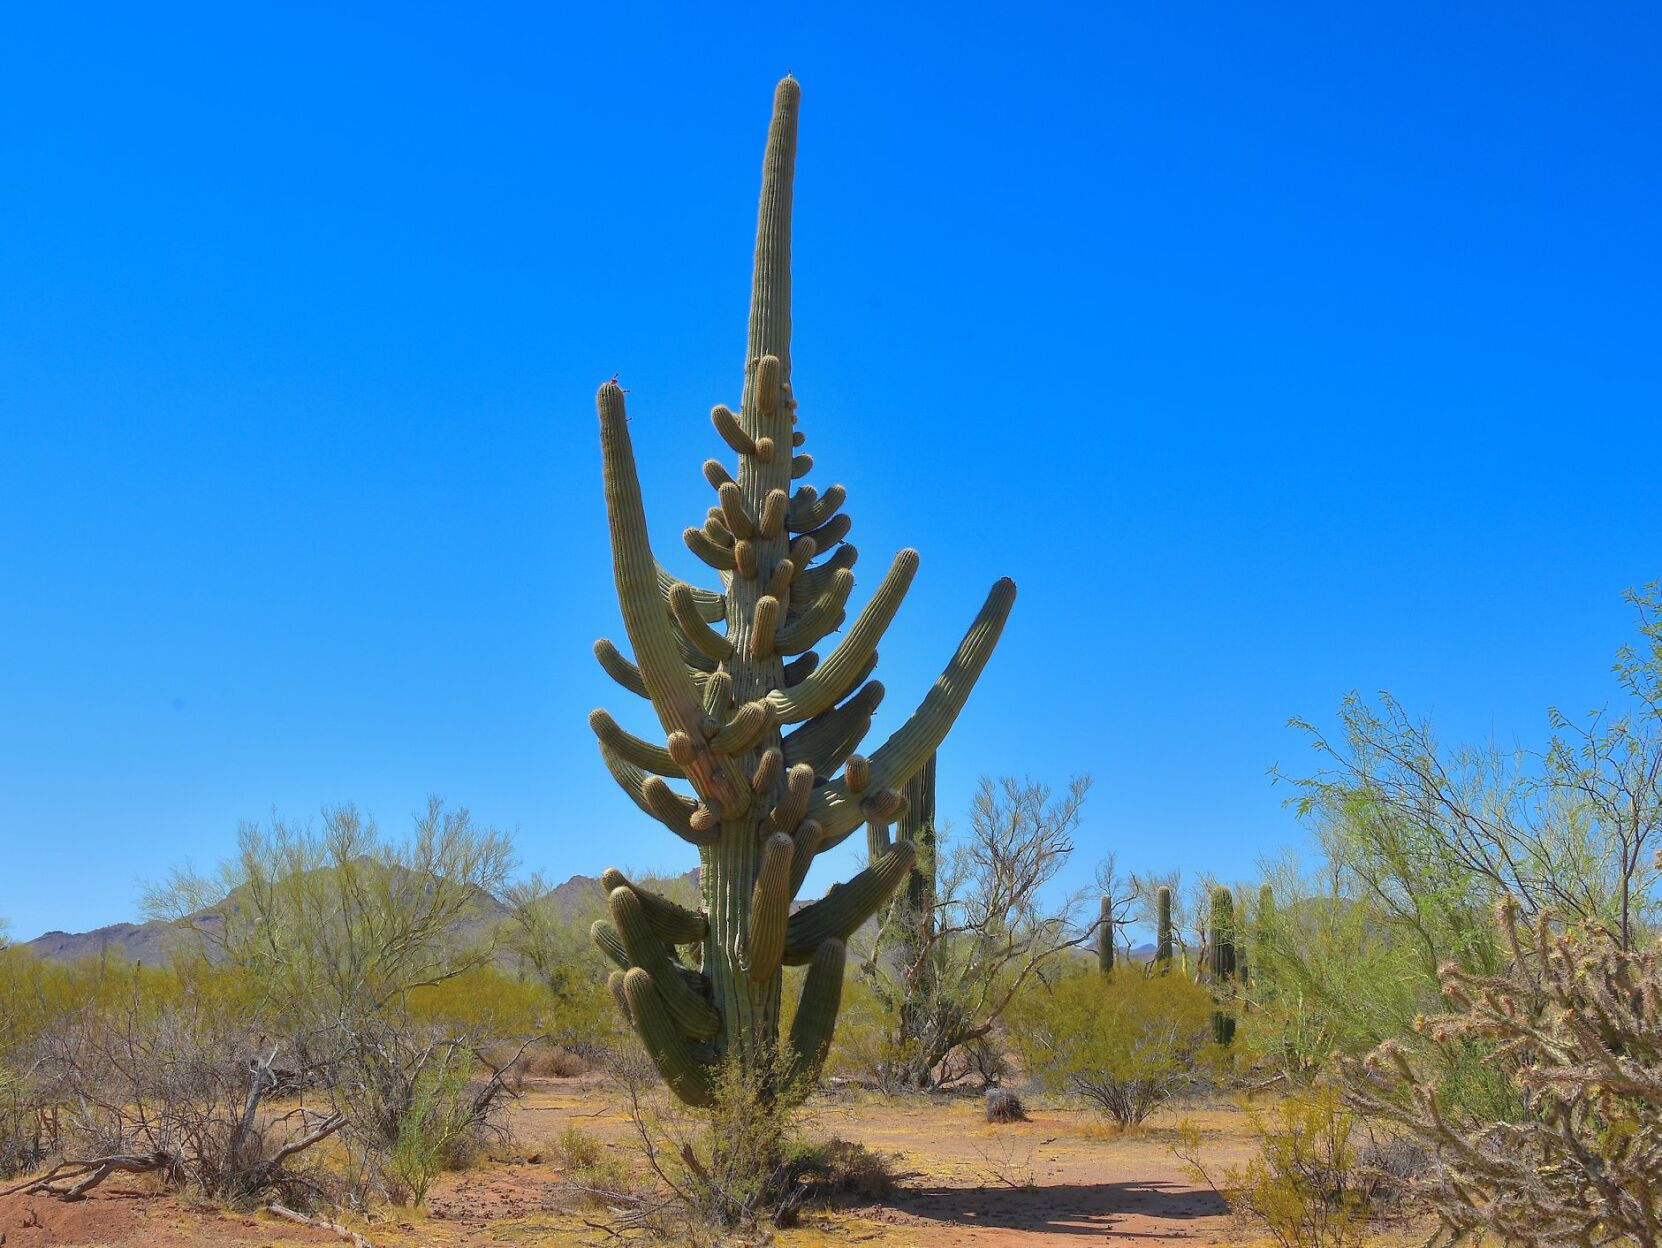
(1221, 959)
(1164, 944)
(1105, 937)
(763, 804)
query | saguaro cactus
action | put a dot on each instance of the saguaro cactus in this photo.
(724, 670)
(1105, 937)
(1221, 957)
(1163, 942)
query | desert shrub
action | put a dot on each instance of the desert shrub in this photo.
(592, 1168)
(1574, 1025)
(414, 1103)
(1307, 1187)
(1126, 1042)
(483, 1000)
(180, 1090)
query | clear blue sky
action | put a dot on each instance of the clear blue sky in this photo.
(1275, 351)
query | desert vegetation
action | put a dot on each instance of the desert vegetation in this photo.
(1445, 1023)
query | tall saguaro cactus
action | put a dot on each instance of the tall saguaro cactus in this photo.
(726, 670)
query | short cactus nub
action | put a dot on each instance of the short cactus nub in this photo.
(718, 671)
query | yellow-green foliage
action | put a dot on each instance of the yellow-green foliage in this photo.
(1306, 1187)
(1125, 1042)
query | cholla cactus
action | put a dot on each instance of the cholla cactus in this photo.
(724, 670)
(1576, 1025)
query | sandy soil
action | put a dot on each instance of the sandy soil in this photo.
(1057, 1180)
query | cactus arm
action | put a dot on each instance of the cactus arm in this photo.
(619, 668)
(716, 556)
(770, 904)
(606, 939)
(831, 532)
(819, 618)
(673, 923)
(711, 605)
(689, 820)
(804, 845)
(899, 758)
(687, 1077)
(730, 431)
(809, 510)
(630, 778)
(798, 670)
(840, 912)
(651, 635)
(838, 674)
(706, 640)
(826, 741)
(693, 1015)
(810, 582)
(774, 509)
(740, 732)
(816, 1015)
(632, 749)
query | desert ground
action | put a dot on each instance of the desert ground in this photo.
(1060, 1179)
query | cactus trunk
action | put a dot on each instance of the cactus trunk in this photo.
(1105, 937)
(1164, 944)
(725, 671)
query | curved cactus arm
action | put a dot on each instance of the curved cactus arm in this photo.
(898, 759)
(819, 618)
(730, 431)
(619, 668)
(651, 635)
(804, 845)
(632, 749)
(707, 641)
(674, 923)
(809, 509)
(841, 911)
(696, 1017)
(692, 822)
(606, 939)
(770, 905)
(811, 582)
(712, 553)
(631, 779)
(826, 741)
(688, 1077)
(831, 532)
(710, 604)
(816, 1015)
(832, 679)
(742, 731)
(793, 803)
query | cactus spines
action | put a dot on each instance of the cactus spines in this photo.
(1163, 943)
(761, 805)
(1105, 937)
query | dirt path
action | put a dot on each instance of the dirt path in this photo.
(1056, 1180)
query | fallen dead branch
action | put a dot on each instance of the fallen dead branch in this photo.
(347, 1233)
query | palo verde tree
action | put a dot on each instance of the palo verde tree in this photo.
(764, 801)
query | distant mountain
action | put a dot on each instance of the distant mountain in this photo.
(156, 940)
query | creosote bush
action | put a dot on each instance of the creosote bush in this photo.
(1126, 1042)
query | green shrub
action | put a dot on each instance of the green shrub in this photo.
(1126, 1043)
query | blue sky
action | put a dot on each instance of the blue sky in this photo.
(1275, 351)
